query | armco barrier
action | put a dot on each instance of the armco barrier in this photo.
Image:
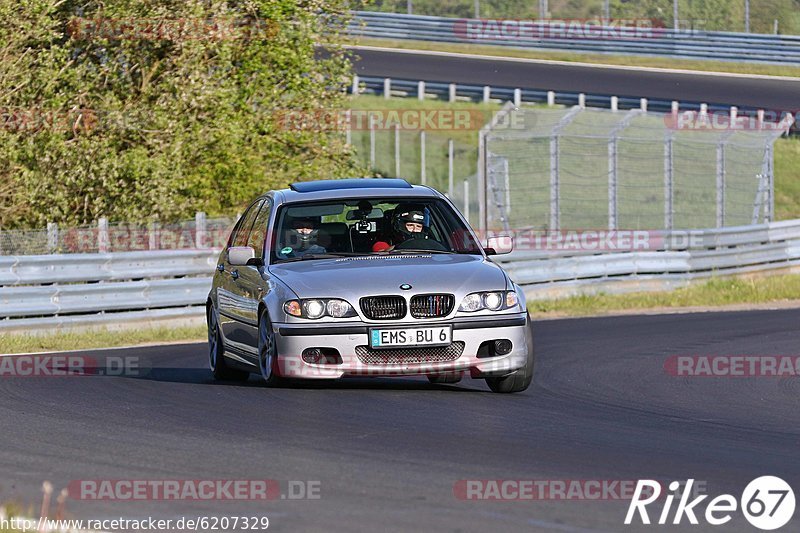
(41, 293)
(717, 252)
(683, 44)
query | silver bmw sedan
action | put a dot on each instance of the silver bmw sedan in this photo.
(365, 277)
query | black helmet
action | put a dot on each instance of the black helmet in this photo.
(302, 239)
(404, 215)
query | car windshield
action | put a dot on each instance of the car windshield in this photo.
(321, 230)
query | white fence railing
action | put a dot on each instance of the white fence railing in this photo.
(45, 292)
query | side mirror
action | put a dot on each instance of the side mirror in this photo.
(502, 244)
(241, 255)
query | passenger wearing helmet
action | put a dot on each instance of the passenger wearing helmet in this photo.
(301, 239)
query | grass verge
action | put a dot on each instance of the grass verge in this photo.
(84, 340)
(713, 293)
(600, 59)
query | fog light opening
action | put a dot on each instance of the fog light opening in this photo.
(322, 356)
(503, 347)
(313, 356)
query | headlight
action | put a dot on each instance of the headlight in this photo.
(338, 308)
(314, 309)
(472, 302)
(493, 301)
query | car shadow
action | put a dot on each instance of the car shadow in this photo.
(202, 376)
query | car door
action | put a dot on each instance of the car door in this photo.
(254, 279)
(234, 307)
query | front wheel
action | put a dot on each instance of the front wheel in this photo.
(518, 380)
(216, 353)
(267, 351)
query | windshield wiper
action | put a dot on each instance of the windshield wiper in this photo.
(418, 251)
(309, 257)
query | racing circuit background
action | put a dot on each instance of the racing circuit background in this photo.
(711, 397)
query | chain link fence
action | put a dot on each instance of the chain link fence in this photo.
(577, 168)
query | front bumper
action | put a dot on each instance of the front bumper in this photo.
(293, 339)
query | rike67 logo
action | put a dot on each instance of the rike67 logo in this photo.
(767, 503)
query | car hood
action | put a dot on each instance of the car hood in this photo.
(354, 277)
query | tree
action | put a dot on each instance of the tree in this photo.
(141, 109)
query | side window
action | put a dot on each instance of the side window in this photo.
(259, 232)
(243, 231)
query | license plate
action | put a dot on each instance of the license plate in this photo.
(410, 337)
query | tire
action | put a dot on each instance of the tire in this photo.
(216, 352)
(518, 380)
(446, 378)
(267, 352)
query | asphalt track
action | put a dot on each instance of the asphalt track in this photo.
(756, 92)
(387, 451)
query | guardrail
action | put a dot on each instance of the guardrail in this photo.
(477, 93)
(699, 254)
(681, 44)
(42, 293)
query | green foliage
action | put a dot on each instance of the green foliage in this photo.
(159, 125)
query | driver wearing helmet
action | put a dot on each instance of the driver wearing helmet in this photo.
(301, 238)
(407, 224)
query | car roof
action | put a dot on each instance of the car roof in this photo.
(355, 188)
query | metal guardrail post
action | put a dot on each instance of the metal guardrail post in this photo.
(356, 85)
(555, 188)
(397, 150)
(102, 236)
(487, 94)
(466, 199)
(483, 167)
(421, 91)
(152, 236)
(451, 93)
(555, 168)
(720, 187)
(669, 181)
(371, 141)
(482, 226)
(770, 183)
(423, 160)
(52, 237)
(722, 175)
(450, 164)
(387, 88)
(613, 165)
(200, 228)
